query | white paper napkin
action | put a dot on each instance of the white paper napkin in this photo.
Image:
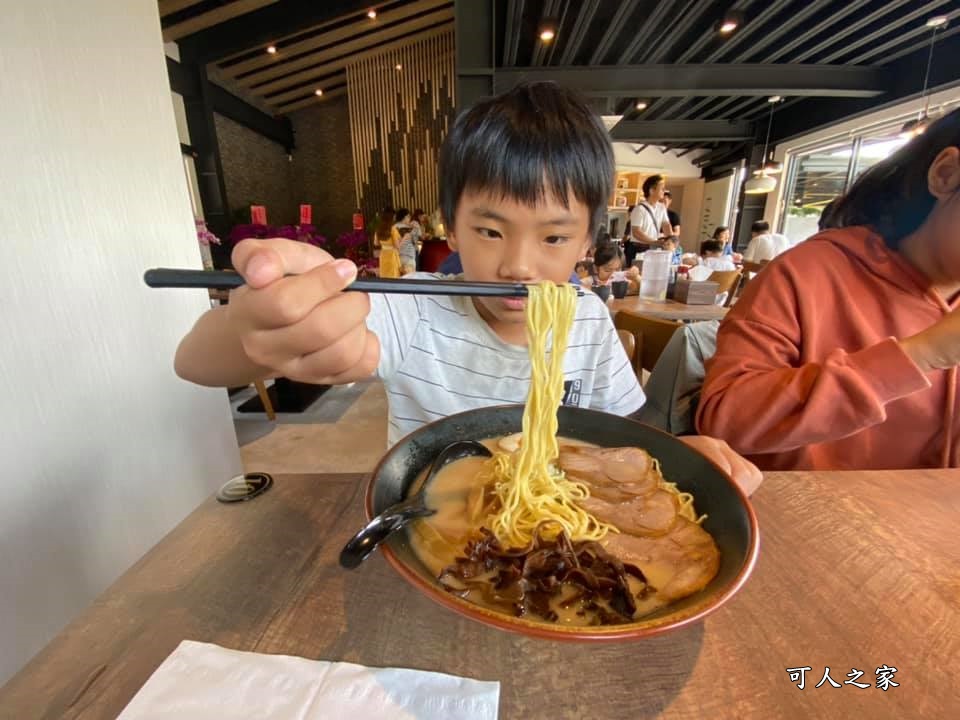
(199, 681)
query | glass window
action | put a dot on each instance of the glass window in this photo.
(874, 148)
(815, 178)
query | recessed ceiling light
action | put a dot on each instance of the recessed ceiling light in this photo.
(727, 27)
(937, 21)
(774, 99)
(641, 105)
(730, 22)
(547, 35)
(398, 66)
(318, 92)
(372, 14)
(272, 49)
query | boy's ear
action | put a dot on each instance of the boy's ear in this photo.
(451, 241)
(943, 177)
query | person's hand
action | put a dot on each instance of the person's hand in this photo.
(633, 273)
(737, 258)
(937, 347)
(744, 473)
(301, 326)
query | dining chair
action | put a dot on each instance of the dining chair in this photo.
(753, 267)
(265, 399)
(726, 280)
(629, 345)
(650, 334)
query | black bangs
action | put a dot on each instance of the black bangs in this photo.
(534, 140)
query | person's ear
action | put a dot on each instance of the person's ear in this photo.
(587, 242)
(943, 177)
(452, 240)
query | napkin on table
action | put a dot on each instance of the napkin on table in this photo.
(199, 681)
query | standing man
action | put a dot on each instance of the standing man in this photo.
(764, 245)
(648, 221)
(672, 217)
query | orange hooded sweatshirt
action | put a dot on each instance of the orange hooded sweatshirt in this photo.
(808, 373)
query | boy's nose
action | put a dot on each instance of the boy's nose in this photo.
(518, 265)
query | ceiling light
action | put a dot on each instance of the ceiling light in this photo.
(763, 183)
(774, 99)
(272, 49)
(398, 66)
(548, 29)
(372, 14)
(730, 22)
(917, 126)
(641, 104)
(760, 185)
(318, 92)
(937, 21)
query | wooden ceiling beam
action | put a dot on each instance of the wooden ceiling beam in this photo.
(333, 37)
(354, 46)
(341, 62)
(307, 102)
(214, 17)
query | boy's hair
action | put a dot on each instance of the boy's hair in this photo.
(711, 246)
(534, 139)
(650, 183)
(760, 226)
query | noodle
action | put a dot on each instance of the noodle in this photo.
(531, 491)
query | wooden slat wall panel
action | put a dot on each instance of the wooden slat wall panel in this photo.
(398, 120)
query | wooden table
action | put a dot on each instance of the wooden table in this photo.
(668, 309)
(856, 570)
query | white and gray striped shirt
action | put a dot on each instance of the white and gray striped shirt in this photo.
(439, 357)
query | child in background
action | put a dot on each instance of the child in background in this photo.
(526, 176)
(713, 257)
(607, 267)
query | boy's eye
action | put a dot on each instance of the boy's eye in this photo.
(556, 239)
(488, 233)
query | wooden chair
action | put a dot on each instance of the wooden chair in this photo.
(753, 267)
(629, 345)
(265, 399)
(726, 280)
(651, 336)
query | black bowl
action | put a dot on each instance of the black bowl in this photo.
(730, 518)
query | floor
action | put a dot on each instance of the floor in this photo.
(350, 440)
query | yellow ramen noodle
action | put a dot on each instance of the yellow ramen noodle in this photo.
(530, 489)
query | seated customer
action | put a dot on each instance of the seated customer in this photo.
(608, 262)
(843, 353)
(713, 257)
(764, 245)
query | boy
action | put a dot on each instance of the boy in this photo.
(526, 178)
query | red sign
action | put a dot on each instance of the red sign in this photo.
(258, 214)
(306, 214)
(358, 221)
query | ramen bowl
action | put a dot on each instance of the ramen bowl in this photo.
(730, 518)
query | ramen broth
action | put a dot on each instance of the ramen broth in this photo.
(458, 499)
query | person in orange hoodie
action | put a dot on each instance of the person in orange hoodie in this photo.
(842, 353)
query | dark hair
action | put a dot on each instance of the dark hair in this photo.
(402, 214)
(386, 222)
(650, 183)
(607, 252)
(825, 221)
(760, 226)
(718, 230)
(711, 246)
(892, 198)
(417, 213)
(536, 138)
(602, 237)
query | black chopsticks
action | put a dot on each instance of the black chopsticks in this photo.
(226, 280)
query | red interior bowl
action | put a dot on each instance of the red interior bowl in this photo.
(730, 518)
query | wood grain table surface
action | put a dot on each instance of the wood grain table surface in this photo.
(856, 570)
(668, 309)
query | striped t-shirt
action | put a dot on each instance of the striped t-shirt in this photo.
(439, 357)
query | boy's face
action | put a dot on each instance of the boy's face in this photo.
(502, 240)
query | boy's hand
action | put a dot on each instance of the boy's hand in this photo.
(937, 347)
(744, 473)
(301, 327)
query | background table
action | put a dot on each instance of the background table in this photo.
(856, 570)
(668, 309)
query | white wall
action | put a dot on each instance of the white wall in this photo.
(104, 449)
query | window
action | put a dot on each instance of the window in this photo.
(814, 179)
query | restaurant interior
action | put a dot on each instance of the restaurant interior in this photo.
(153, 522)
